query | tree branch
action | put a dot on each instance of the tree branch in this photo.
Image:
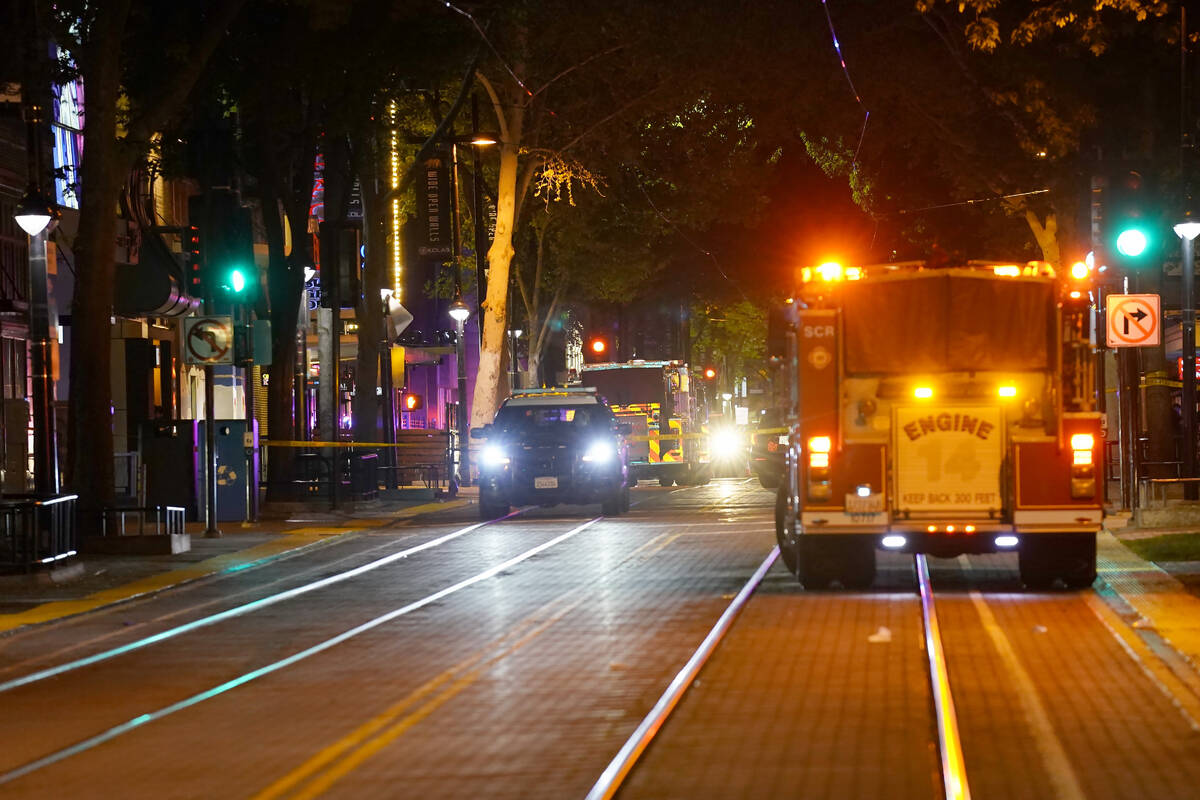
(414, 168)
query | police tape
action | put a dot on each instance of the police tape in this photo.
(373, 445)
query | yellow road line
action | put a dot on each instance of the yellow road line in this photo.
(385, 727)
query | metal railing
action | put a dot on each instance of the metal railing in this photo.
(37, 531)
(148, 520)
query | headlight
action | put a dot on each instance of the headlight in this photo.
(493, 456)
(726, 443)
(600, 452)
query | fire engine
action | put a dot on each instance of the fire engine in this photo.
(941, 411)
(656, 399)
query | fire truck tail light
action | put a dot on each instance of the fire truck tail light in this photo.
(1083, 473)
(1082, 441)
(818, 460)
(819, 444)
(1007, 391)
(923, 392)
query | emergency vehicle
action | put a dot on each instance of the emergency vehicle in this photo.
(940, 411)
(656, 399)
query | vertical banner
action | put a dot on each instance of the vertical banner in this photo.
(434, 244)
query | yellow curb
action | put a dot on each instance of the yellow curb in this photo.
(425, 508)
(228, 562)
(1157, 597)
(290, 539)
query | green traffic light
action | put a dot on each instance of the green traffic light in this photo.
(237, 281)
(1131, 242)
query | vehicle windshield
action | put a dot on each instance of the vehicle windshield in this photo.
(525, 420)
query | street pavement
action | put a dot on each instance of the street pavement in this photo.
(421, 676)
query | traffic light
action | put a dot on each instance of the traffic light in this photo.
(1078, 286)
(710, 373)
(193, 264)
(412, 402)
(1130, 230)
(596, 349)
(221, 263)
(237, 282)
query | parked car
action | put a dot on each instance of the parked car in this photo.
(550, 446)
(768, 444)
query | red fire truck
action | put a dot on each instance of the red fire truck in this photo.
(940, 411)
(657, 400)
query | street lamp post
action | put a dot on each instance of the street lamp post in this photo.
(459, 311)
(1187, 232)
(34, 215)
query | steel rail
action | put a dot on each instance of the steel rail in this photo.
(246, 678)
(240, 610)
(954, 771)
(618, 769)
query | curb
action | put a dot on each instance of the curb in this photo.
(287, 544)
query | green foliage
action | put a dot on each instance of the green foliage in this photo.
(734, 336)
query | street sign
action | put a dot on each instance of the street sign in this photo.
(1132, 320)
(208, 340)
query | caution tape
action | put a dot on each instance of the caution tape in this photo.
(344, 444)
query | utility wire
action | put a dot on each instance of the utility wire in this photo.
(837, 46)
(488, 42)
(693, 243)
(976, 201)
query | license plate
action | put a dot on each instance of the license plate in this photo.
(871, 504)
(545, 483)
(783, 438)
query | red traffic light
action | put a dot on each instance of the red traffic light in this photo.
(598, 347)
(710, 373)
(412, 402)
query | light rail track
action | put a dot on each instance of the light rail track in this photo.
(952, 765)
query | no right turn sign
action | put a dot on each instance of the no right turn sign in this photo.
(1132, 320)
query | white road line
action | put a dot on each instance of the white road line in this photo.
(236, 611)
(242, 680)
(1062, 775)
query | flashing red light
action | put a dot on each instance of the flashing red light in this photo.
(598, 346)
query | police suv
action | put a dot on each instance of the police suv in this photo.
(550, 446)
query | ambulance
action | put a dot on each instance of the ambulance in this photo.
(944, 411)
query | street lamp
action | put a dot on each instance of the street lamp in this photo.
(459, 311)
(34, 215)
(1187, 232)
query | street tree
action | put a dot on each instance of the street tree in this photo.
(133, 93)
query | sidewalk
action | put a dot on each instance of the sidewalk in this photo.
(94, 581)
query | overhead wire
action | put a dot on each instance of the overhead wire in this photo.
(837, 47)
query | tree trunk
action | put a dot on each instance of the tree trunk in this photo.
(108, 160)
(1046, 236)
(285, 287)
(532, 379)
(495, 308)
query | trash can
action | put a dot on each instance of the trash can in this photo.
(364, 475)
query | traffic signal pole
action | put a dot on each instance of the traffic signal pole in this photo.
(211, 531)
